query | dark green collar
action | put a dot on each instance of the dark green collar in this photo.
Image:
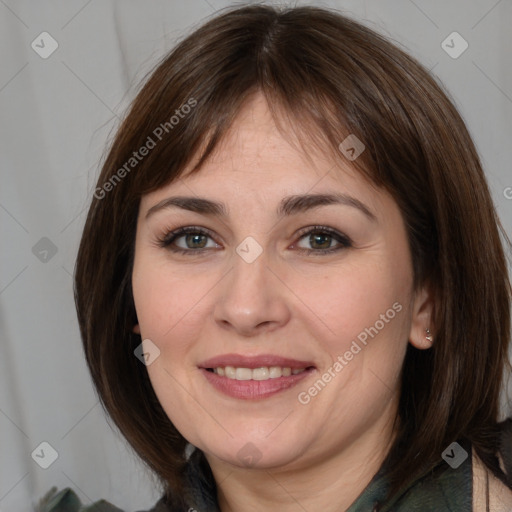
(441, 489)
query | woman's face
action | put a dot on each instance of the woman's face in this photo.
(281, 331)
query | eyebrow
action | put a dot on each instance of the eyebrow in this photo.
(289, 205)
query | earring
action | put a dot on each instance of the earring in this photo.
(429, 336)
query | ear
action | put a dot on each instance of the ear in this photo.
(422, 310)
(136, 329)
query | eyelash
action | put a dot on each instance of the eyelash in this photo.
(172, 236)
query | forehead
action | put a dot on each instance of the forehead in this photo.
(257, 156)
(255, 141)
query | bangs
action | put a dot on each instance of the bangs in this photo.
(317, 98)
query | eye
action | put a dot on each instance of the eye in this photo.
(194, 240)
(187, 240)
(321, 239)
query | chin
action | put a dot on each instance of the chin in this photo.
(255, 453)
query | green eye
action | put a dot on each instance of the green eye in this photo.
(321, 239)
(195, 240)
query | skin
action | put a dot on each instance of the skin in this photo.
(310, 307)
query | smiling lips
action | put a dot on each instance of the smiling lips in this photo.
(254, 377)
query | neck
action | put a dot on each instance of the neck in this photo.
(331, 482)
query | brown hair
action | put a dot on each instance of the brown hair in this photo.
(330, 76)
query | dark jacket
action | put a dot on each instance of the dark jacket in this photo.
(453, 485)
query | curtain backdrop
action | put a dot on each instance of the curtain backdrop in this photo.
(68, 70)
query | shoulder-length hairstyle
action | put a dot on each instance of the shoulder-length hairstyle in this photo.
(326, 76)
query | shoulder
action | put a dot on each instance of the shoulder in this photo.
(490, 494)
(470, 485)
(67, 500)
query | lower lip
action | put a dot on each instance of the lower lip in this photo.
(254, 389)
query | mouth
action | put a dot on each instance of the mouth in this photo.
(263, 373)
(254, 377)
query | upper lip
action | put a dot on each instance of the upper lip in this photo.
(263, 360)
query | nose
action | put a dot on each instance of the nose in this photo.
(252, 298)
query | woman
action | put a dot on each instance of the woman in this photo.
(291, 287)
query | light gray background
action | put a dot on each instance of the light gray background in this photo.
(57, 114)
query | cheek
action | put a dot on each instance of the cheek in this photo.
(358, 301)
(169, 304)
(367, 310)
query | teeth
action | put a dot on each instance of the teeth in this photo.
(263, 373)
(275, 372)
(243, 374)
(230, 372)
(259, 373)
